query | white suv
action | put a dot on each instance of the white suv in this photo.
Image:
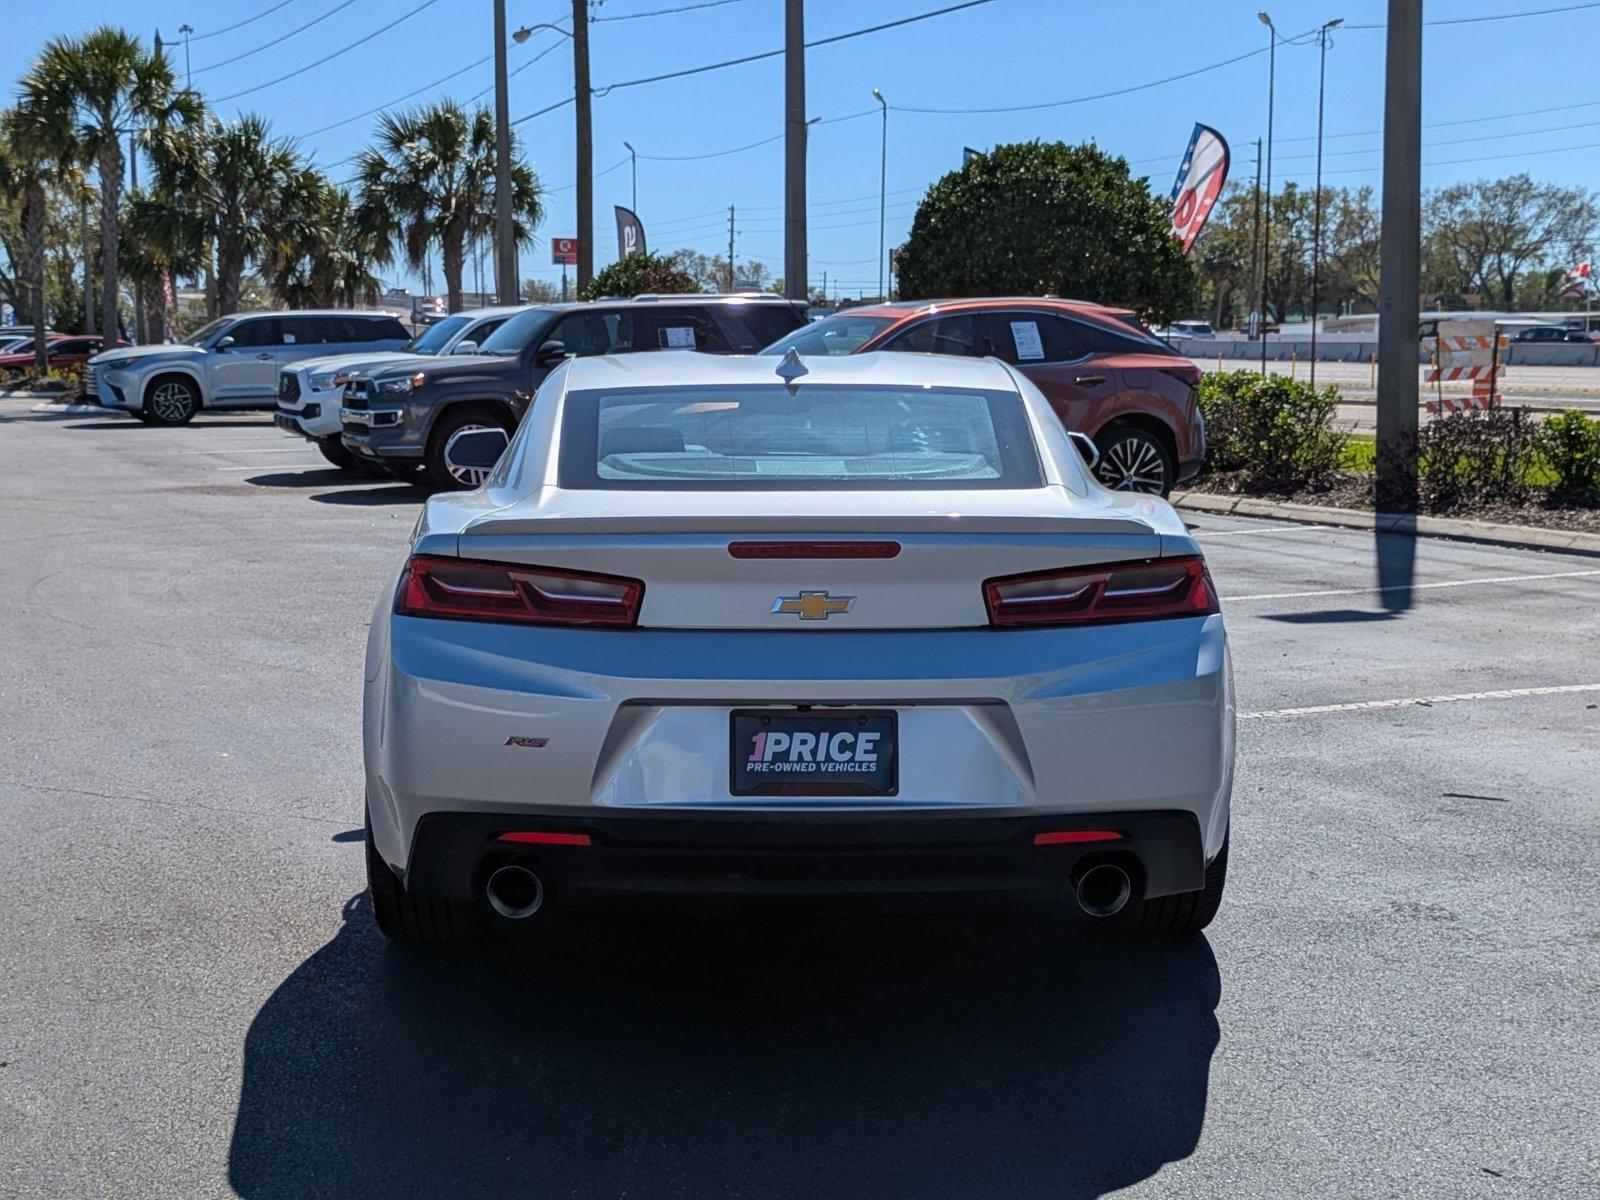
(232, 362)
(310, 391)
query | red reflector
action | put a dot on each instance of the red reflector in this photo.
(1068, 837)
(1143, 590)
(814, 549)
(536, 837)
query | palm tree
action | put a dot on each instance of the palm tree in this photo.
(160, 240)
(431, 177)
(89, 94)
(320, 255)
(23, 178)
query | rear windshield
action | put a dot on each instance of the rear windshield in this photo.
(763, 438)
(838, 334)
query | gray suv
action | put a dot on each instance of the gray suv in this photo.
(233, 362)
(402, 415)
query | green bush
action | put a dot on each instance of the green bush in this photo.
(1474, 458)
(1270, 433)
(636, 275)
(1569, 444)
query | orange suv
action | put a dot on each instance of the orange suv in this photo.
(1103, 372)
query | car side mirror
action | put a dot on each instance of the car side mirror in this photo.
(472, 453)
(550, 352)
(224, 343)
(1086, 448)
(465, 346)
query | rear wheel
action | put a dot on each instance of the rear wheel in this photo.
(403, 916)
(1186, 913)
(450, 424)
(1133, 459)
(172, 400)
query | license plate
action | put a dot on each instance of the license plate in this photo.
(784, 752)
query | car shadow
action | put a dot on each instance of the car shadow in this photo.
(309, 477)
(1332, 616)
(718, 1057)
(377, 494)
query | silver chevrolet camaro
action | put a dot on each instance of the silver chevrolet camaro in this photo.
(853, 632)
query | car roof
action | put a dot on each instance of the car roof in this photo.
(313, 312)
(905, 310)
(499, 310)
(653, 300)
(682, 368)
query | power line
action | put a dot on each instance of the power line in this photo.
(200, 37)
(401, 99)
(749, 58)
(664, 12)
(1535, 12)
(275, 41)
(519, 70)
(406, 16)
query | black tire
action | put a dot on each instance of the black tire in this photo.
(336, 452)
(403, 916)
(1133, 459)
(1184, 914)
(447, 426)
(171, 400)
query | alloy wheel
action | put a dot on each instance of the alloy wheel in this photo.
(1132, 464)
(469, 477)
(172, 402)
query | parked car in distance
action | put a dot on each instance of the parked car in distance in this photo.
(1183, 329)
(233, 362)
(61, 350)
(402, 416)
(1542, 333)
(1103, 372)
(709, 634)
(310, 392)
(1578, 335)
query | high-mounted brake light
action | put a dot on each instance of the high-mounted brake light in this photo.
(814, 549)
(1147, 590)
(488, 591)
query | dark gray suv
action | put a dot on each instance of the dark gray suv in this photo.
(401, 416)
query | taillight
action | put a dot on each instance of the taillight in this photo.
(1148, 590)
(487, 591)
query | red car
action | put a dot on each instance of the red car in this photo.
(1103, 372)
(61, 350)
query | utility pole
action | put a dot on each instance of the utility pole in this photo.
(1399, 260)
(1266, 211)
(585, 134)
(794, 151)
(883, 191)
(730, 247)
(505, 238)
(1255, 242)
(1316, 224)
(188, 72)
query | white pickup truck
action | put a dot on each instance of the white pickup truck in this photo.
(310, 391)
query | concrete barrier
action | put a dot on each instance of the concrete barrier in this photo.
(1345, 348)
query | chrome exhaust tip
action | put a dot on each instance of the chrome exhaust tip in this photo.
(1103, 890)
(514, 892)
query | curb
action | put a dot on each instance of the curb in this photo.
(1516, 537)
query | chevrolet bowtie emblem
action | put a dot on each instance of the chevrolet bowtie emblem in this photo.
(813, 606)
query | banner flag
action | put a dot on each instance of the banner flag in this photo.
(630, 233)
(1200, 178)
(1578, 282)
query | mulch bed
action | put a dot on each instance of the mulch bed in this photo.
(1355, 491)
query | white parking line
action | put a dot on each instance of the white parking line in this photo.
(225, 450)
(1409, 587)
(1420, 701)
(1264, 529)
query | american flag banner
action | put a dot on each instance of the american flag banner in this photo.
(1200, 178)
(1579, 282)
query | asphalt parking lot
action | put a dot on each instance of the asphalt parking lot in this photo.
(1401, 996)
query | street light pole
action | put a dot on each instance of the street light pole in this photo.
(1266, 212)
(188, 74)
(584, 130)
(796, 269)
(1316, 221)
(505, 245)
(883, 192)
(633, 159)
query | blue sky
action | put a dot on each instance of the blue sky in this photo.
(998, 54)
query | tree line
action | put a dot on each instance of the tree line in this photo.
(223, 200)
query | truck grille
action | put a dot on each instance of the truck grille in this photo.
(288, 387)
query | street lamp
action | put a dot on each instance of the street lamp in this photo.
(883, 192)
(505, 242)
(188, 75)
(1316, 220)
(633, 158)
(1266, 216)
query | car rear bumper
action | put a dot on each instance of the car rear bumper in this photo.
(853, 861)
(512, 724)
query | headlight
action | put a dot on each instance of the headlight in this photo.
(112, 364)
(321, 383)
(402, 387)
